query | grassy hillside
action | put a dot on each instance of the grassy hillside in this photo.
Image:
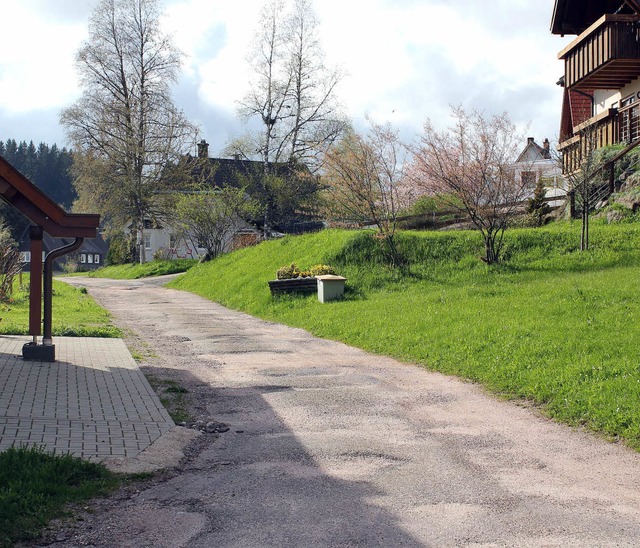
(551, 325)
(135, 271)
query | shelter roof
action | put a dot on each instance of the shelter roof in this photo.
(34, 204)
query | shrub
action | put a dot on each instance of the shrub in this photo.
(321, 270)
(162, 254)
(9, 263)
(537, 208)
(292, 271)
(70, 266)
(119, 250)
(287, 272)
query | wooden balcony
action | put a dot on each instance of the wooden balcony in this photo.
(597, 132)
(606, 55)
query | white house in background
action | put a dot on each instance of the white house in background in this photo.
(169, 243)
(537, 162)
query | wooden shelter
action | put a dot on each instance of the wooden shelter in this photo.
(48, 217)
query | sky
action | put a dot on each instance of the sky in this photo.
(405, 61)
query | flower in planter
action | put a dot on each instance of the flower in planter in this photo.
(321, 270)
(287, 272)
(292, 271)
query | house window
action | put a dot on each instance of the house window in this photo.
(96, 258)
(173, 241)
(90, 258)
(83, 258)
(147, 241)
(25, 256)
(528, 178)
(628, 100)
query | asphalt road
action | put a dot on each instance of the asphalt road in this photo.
(331, 446)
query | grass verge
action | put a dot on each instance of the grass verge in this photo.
(173, 397)
(135, 271)
(550, 325)
(36, 487)
(74, 313)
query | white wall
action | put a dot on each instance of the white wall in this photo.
(610, 98)
(186, 246)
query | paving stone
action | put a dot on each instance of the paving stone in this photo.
(93, 402)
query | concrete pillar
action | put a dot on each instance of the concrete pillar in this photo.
(330, 287)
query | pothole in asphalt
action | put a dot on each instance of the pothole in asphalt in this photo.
(272, 388)
(371, 456)
(178, 338)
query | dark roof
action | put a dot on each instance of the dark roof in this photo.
(575, 16)
(544, 153)
(90, 245)
(231, 171)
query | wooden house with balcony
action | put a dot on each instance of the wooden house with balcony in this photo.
(601, 104)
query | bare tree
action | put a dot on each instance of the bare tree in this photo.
(9, 262)
(315, 122)
(470, 168)
(125, 128)
(587, 176)
(270, 89)
(363, 174)
(292, 94)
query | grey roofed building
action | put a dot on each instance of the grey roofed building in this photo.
(90, 256)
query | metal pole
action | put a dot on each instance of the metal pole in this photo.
(48, 285)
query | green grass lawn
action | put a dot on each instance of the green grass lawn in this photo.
(550, 325)
(35, 487)
(74, 313)
(135, 271)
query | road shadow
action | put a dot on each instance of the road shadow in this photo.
(96, 404)
(260, 486)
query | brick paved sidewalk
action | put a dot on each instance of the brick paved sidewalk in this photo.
(93, 402)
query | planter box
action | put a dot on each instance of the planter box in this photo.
(294, 285)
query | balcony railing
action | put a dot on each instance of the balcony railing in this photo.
(606, 55)
(597, 132)
(629, 123)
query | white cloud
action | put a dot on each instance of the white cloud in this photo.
(36, 60)
(215, 37)
(406, 61)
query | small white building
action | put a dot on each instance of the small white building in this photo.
(166, 242)
(536, 162)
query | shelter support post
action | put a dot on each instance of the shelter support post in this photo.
(48, 285)
(46, 352)
(35, 282)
